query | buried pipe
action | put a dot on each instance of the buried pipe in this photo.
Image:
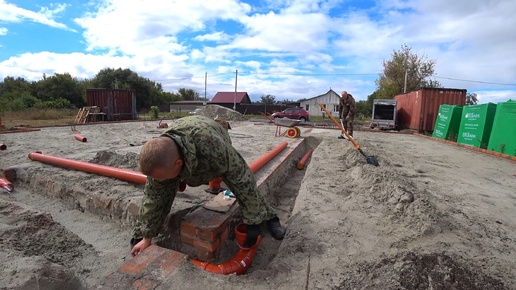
(214, 185)
(244, 257)
(240, 262)
(3, 146)
(303, 160)
(80, 138)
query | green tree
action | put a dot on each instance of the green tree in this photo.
(14, 90)
(188, 94)
(267, 99)
(60, 87)
(471, 99)
(417, 70)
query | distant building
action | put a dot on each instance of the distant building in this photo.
(330, 100)
(222, 98)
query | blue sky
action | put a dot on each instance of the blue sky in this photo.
(290, 49)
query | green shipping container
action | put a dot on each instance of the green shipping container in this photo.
(447, 122)
(503, 134)
(476, 124)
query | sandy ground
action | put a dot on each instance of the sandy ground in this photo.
(431, 216)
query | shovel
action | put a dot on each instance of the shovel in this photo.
(370, 159)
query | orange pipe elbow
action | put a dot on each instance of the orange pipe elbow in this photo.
(6, 184)
(3, 146)
(123, 174)
(302, 162)
(237, 265)
(80, 138)
(260, 162)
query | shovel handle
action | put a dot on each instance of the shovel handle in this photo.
(340, 126)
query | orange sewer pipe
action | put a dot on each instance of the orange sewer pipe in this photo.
(108, 171)
(255, 166)
(303, 160)
(240, 262)
(80, 138)
(244, 257)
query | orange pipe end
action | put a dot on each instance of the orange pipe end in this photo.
(80, 138)
(3, 146)
(260, 162)
(6, 184)
(302, 162)
(215, 183)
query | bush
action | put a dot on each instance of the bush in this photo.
(154, 112)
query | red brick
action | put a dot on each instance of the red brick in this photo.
(205, 255)
(188, 229)
(209, 246)
(224, 237)
(170, 262)
(187, 240)
(146, 283)
(141, 261)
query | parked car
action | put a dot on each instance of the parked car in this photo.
(293, 113)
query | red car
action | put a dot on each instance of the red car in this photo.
(293, 113)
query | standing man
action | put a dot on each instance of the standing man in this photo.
(196, 150)
(347, 113)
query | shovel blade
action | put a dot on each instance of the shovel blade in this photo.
(372, 160)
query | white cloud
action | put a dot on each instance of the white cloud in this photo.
(292, 49)
(3, 31)
(217, 37)
(12, 13)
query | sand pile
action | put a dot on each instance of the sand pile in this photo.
(216, 111)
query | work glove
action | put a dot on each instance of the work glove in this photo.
(346, 119)
(253, 231)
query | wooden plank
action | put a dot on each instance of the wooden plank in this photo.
(219, 204)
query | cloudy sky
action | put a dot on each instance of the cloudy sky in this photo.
(290, 49)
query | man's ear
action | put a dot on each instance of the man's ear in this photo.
(179, 162)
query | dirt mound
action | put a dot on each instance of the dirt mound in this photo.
(41, 253)
(216, 111)
(113, 159)
(420, 271)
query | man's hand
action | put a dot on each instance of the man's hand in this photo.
(347, 119)
(142, 245)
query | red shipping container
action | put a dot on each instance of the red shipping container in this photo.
(418, 110)
(116, 104)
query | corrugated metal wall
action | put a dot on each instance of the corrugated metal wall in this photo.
(418, 110)
(117, 104)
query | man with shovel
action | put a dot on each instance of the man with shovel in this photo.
(347, 113)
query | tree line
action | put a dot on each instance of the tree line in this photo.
(62, 91)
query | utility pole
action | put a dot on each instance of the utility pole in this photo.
(205, 84)
(405, 86)
(234, 98)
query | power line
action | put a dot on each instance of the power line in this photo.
(473, 81)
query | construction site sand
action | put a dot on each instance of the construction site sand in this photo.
(431, 216)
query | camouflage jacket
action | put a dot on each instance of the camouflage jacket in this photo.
(347, 107)
(208, 154)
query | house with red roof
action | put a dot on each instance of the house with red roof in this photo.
(229, 98)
